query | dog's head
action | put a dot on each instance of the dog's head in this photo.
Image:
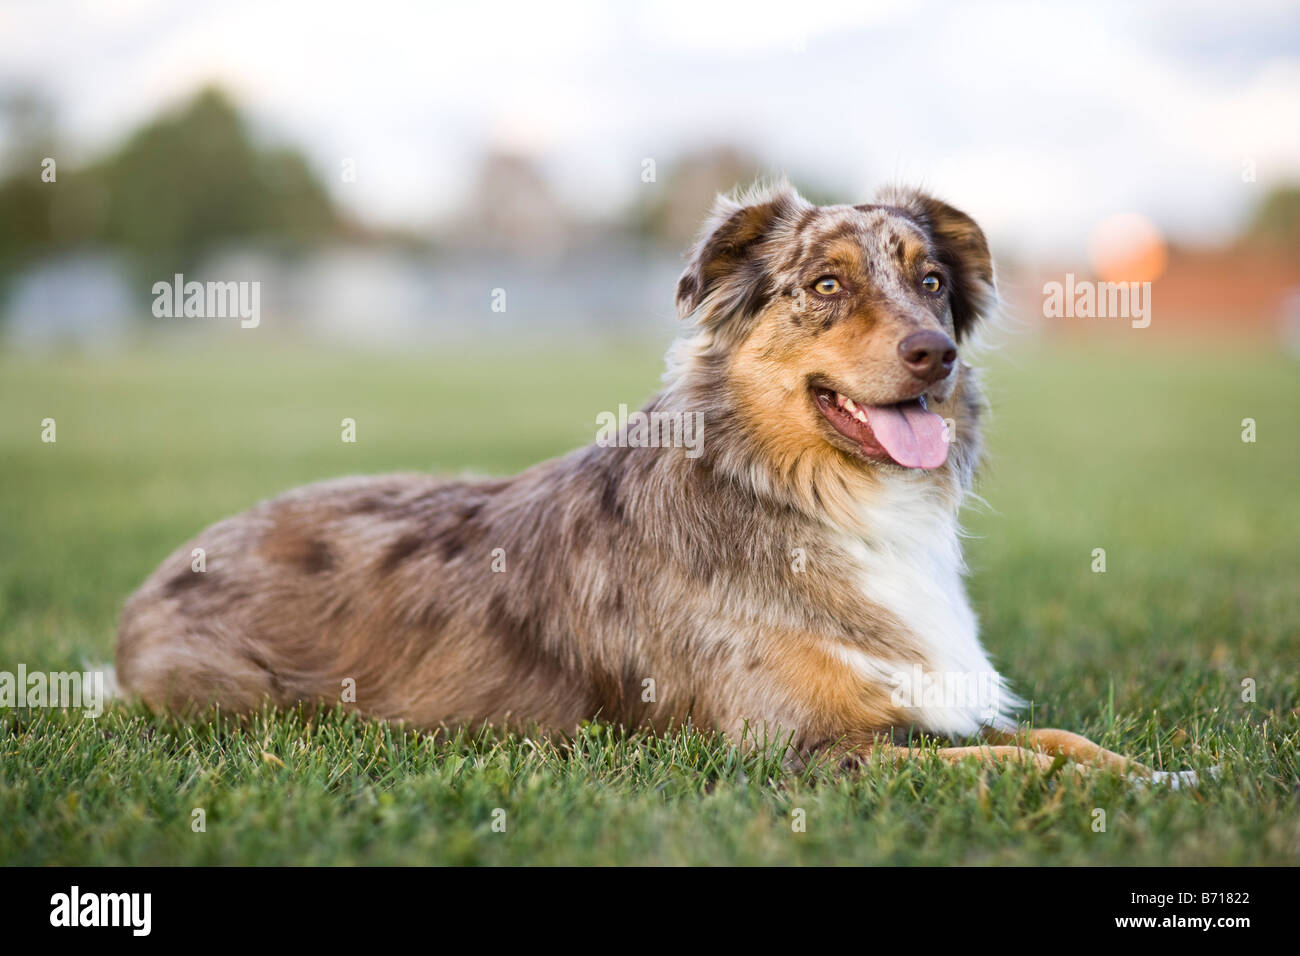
(842, 326)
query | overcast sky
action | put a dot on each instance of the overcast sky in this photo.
(1038, 118)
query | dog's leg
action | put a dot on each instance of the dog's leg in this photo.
(1049, 741)
(853, 750)
(987, 754)
(1042, 748)
(1052, 741)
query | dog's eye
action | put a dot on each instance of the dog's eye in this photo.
(932, 283)
(826, 285)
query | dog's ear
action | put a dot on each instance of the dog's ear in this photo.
(726, 274)
(961, 247)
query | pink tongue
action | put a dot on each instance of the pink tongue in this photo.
(913, 436)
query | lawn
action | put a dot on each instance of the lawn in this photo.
(1136, 452)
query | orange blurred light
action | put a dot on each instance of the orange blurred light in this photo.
(1127, 247)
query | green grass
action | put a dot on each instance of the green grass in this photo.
(1138, 453)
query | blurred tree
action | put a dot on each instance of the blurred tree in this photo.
(1276, 221)
(194, 180)
(28, 119)
(182, 185)
(671, 209)
(25, 201)
(512, 206)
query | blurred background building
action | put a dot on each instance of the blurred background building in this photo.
(385, 171)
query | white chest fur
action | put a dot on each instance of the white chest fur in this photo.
(908, 560)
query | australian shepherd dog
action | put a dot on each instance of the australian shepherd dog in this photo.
(795, 576)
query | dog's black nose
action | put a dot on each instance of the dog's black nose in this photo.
(928, 355)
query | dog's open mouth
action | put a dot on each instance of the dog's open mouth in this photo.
(906, 433)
